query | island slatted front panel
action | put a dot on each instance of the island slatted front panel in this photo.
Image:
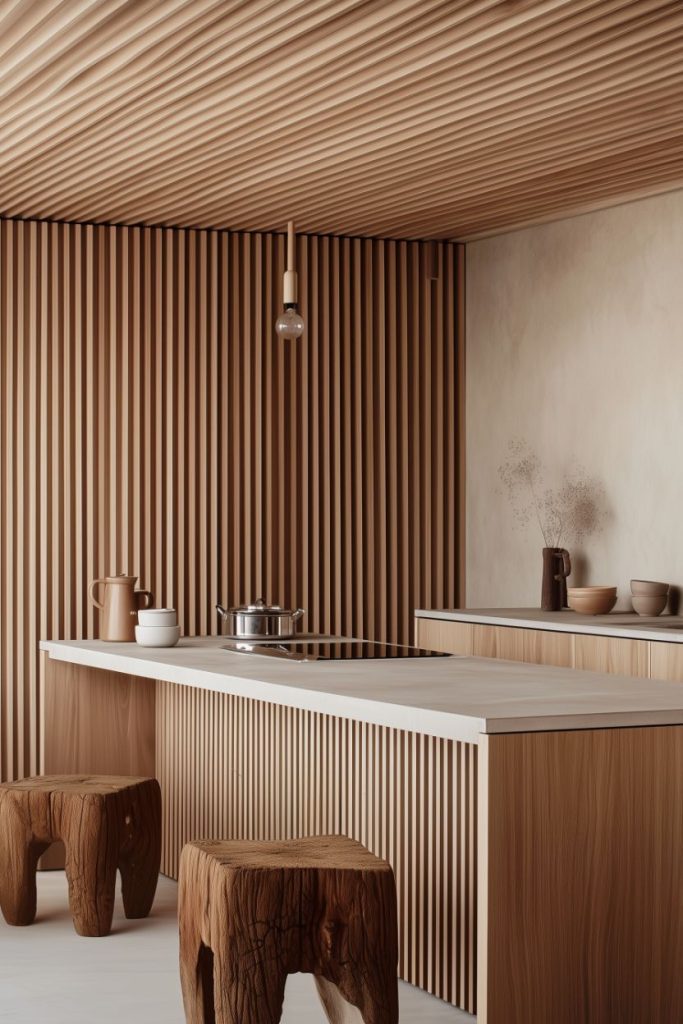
(244, 769)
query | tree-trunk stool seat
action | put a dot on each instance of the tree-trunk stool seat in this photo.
(105, 822)
(250, 913)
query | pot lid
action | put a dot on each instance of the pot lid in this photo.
(259, 607)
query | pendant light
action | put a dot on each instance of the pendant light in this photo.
(290, 324)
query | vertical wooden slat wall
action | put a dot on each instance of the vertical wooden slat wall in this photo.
(234, 768)
(152, 423)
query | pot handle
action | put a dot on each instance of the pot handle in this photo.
(223, 612)
(91, 594)
(298, 614)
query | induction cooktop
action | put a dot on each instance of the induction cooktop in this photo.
(329, 650)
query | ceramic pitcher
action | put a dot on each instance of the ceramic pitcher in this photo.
(556, 567)
(119, 606)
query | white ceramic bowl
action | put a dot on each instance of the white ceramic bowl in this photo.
(157, 617)
(649, 604)
(649, 587)
(157, 636)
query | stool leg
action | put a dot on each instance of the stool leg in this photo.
(91, 838)
(18, 862)
(19, 853)
(196, 958)
(337, 1009)
(379, 1002)
(248, 993)
(355, 961)
(196, 982)
(140, 856)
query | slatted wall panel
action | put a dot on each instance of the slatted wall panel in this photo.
(235, 768)
(151, 423)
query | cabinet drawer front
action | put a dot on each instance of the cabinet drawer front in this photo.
(615, 655)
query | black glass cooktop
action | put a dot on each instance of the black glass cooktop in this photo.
(328, 650)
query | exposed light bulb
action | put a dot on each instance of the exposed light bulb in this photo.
(290, 324)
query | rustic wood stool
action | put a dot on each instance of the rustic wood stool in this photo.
(106, 822)
(251, 913)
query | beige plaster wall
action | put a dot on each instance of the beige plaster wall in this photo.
(575, 342)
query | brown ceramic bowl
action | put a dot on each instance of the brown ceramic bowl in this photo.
(649, 587)
(592, 600)
(586, 591)
(649, 604)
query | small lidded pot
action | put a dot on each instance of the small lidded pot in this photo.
(157, 627)
(260, 621)
(158, 617)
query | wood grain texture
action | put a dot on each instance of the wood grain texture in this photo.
(537, 646)
(151, 423)
(97, 722)
(612, 654)
(540, 647)
(261, 911)
(415, 118)
(666, 661)
(582, 869)
(238, 769)
(107, 823)
(438, 635)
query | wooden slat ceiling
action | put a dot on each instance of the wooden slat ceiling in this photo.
(395, 118)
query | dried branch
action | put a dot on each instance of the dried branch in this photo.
(572, 512)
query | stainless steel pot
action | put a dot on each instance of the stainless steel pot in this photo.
(260, 621)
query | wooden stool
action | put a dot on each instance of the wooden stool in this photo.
(106, 822)
(252, 913)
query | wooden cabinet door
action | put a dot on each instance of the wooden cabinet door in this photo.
(666, 661)
(537, 646)
(442, 635)
(616, 655)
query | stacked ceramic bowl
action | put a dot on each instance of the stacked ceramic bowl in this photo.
(592, 600)
(649, 597)
(158, 627)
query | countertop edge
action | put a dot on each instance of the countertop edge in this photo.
(462, 725)
(441, 724)
(599, 629)
(573, 723)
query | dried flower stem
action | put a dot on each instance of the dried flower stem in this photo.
(572, 512)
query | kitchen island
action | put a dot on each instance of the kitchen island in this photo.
(533, 815)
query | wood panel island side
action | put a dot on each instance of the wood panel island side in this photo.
(533, 815)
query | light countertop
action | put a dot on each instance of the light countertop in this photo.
(624, 624)
(456, 698)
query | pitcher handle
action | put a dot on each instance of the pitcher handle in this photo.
(566, 569)
(91, 594)
(149, 598)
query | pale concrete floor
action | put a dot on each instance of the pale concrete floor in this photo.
(49, 975)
